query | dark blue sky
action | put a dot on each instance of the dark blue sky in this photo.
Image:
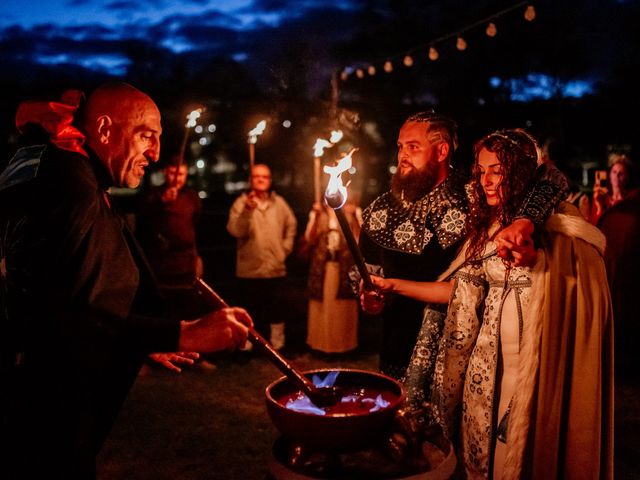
(97, 34)
(89, 32)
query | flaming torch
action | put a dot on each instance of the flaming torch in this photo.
(336, 196)
(192, 120)
(252, 138)
(318, 151)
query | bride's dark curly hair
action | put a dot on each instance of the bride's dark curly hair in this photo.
(518, 155)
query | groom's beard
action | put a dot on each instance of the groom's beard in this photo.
(414, 184)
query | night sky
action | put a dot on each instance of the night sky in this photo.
(289, 48)
(90, 33)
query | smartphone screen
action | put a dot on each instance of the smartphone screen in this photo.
(601, 179)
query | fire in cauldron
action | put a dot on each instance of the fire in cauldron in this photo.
(362, 418)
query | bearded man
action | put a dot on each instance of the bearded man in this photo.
(414, 230)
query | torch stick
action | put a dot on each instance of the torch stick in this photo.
(321, 396)
(318, 151)
(316, 179)
(336, 197)
(353, 247)
(252, 156)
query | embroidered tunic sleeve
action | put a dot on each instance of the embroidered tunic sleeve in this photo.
(461, 327)
(550, 189)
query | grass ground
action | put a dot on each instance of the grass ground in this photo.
(208, 424)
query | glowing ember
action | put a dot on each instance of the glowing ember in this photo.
(336, 193)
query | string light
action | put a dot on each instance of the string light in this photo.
(530, 13)
(461, 44)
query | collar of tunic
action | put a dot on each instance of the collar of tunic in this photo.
(410, 226)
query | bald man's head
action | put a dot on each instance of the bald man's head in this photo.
(123, 129)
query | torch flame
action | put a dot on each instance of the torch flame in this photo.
(193, 117)
(336, 136)
(336, 192)
(259, 128)
(320, 145)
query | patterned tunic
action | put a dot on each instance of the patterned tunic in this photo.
(414, 241)
(465, 394)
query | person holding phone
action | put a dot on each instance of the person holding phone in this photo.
(612, 186)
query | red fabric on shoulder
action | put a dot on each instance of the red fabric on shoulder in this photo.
(56, 118)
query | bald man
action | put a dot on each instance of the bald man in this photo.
(82, 309)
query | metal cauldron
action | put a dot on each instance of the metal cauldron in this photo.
(335, 433)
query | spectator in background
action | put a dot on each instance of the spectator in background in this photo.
(620, 183)
(166, 227)
(265, 228)
(620, 224)
(332, 325)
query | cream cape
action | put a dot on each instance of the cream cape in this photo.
(561, 422)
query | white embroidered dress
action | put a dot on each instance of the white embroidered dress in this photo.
(483, 329)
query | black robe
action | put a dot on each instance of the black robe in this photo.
(81, 312)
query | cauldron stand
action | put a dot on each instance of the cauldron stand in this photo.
(292, 462)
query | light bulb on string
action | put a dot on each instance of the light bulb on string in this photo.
(461, 44)
(433, 54)
(491, 30)
(408, 61)
(371, 70)
(530, 13)
(359, 73)
(344, 75)
(388, 66)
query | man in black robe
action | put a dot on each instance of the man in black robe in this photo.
(80, 309)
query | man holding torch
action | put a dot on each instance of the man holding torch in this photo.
(414, 230)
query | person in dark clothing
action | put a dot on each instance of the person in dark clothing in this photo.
(81, 309)
(414, 230)
(621, 226)
(166, 227)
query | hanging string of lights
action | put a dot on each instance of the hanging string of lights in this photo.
(461, 44)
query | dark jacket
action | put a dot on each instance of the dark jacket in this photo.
(81, 309)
